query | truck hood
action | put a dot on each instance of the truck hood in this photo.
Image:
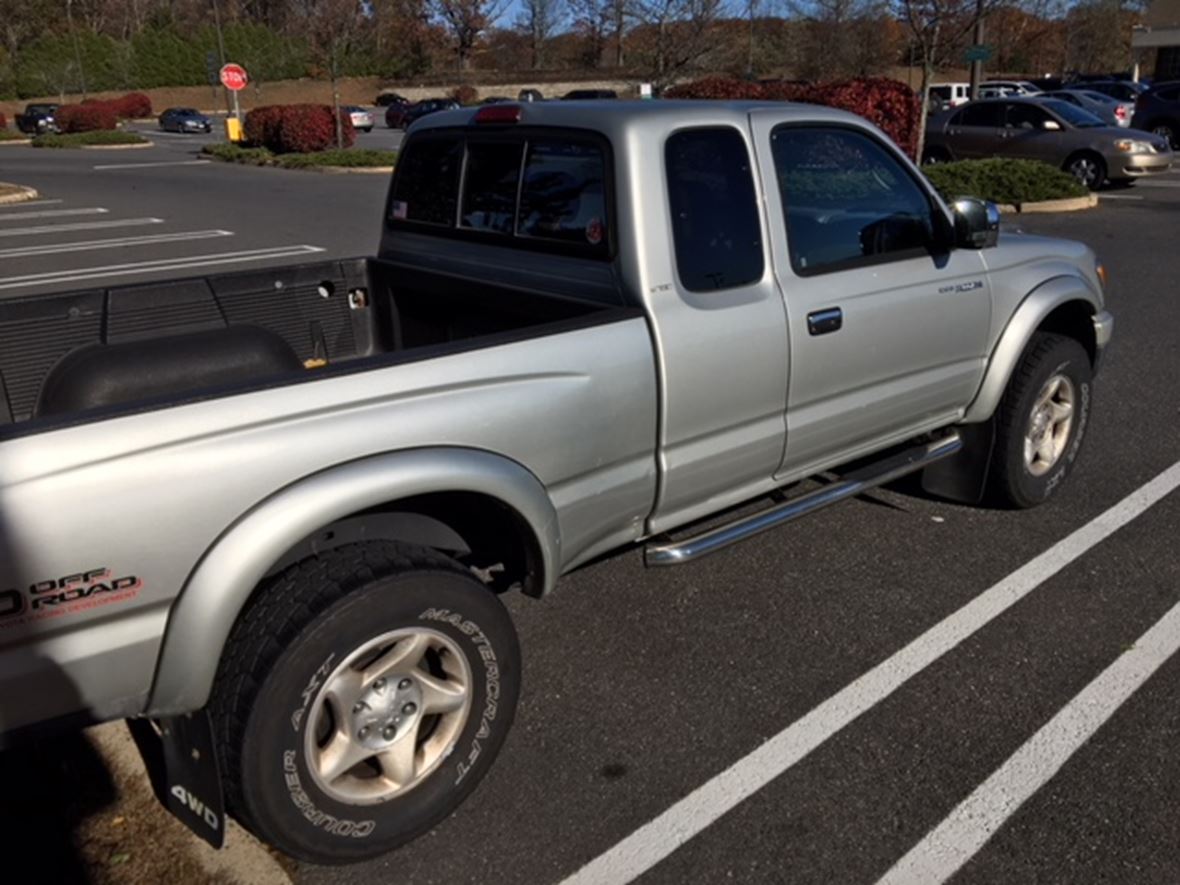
(1050, 256)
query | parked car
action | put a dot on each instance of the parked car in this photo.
(589, 94)
(497, 99)
(37, 119)
(319, 479)
(1049, 130)
(1124, 90)
(184, 120)
(1112, 111)
(950, 95)
(361, 118)
(420, 109)
(1012, 87)
(385, 99)
(530, 95)
(1158, 111)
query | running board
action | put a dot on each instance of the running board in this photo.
(855, 483)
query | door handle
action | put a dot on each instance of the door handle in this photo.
(821, 322)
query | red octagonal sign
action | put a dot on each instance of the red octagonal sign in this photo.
(233, 77)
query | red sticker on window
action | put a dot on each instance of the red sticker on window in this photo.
(595, 231)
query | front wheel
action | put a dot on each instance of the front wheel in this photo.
(1041, 421)
(1088, 169)
(363, 695)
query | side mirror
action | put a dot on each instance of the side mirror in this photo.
(977, 223)
(1051, 126)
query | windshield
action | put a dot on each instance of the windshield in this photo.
(1074, 116)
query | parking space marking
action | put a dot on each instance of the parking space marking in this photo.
(158, 265)
(85, 225)
(149, 165)
(54, 213)
(1118, 197)
(968, 828)
(1156, 182)
(115, 243)
(658, 838)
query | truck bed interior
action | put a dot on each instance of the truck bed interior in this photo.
(74, 355)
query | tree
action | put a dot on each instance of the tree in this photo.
(678, 33)
(333, 29)
(846, 38)
(539, 19)
(591, 20)
(466, 20)
(931, 24)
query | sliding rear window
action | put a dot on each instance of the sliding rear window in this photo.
(534, 190)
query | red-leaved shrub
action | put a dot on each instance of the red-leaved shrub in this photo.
(88, 117)
(3, 122)
(296, 128)
(888, 104)
(465, 94)
(133, 106)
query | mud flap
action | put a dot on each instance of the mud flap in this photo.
(182, 765)
(963, 476)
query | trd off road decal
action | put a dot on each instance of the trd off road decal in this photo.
(70, 594)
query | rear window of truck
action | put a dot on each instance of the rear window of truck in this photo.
(536, 190)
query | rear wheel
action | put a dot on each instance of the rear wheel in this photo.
(1041, 421)
(362, 696)
(1089, 169)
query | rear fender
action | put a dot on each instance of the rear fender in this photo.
(219, 586)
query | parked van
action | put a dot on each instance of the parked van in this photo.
(951, 95)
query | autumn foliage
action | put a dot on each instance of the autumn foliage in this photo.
(889, 104)
(3, 122)
(86, 117)
(296, 128)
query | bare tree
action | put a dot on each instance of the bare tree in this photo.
(333, 29)
(620, 12)
(931, 24)
(591, 20)
(539, 19)
(679, 31)
(466, 20)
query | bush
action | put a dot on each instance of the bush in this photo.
(1003, 181)
(296, 128)
(353, 158)
(233, 153)
(889, 104)
(132, 106)
(3, 121)
(83, 139)
(465, 94)
(88, 117)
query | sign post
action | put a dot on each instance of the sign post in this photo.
(234, 78)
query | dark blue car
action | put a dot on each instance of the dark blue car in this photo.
(184, 120)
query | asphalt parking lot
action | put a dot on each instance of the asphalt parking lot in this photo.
(895, 689)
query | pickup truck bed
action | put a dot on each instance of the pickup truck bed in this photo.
(83, 355)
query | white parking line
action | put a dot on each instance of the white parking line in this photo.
(54, 213)
(33, 203)
(163, 264)
(147, 165)
(86, 225)
(1118, 197)
(1156, 182)
(658, 838)
(116, 243)
(958, 838)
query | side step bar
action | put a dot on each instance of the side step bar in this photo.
(855, 483)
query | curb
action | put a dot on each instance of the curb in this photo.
(116, 147)
(1070, 204)
(16, 141)
(349, 170)
(242, 860)
(22, 194)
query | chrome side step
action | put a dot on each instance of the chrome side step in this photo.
(855, 483)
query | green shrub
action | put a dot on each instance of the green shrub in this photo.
(1003, 181)
(354, 159)
(233, 153)
(9, 135)
(82, 139)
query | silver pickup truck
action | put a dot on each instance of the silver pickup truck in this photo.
(266, 516)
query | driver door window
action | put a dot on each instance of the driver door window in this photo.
(847, 202)
(1025, 116)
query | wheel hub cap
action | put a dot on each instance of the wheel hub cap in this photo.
(1049, 425)
(386, 712)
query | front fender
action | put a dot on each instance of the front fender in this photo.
(1027, 318)
(208, 605)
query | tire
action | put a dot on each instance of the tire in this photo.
(1088, 168)
(288, 700)
(1058, 368)
(933, 156)
(368, 129)
(1167, 130)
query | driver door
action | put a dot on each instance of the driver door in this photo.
(888, 330)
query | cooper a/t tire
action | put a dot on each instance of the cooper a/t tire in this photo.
(362, 696)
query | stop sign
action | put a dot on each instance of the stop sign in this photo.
(233, 77)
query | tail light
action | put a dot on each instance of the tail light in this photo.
(1120, 111)
(498, 113)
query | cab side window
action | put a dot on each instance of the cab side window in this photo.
(1025, 116)
(847, 200)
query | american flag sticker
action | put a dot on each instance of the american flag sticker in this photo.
(399, 209)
